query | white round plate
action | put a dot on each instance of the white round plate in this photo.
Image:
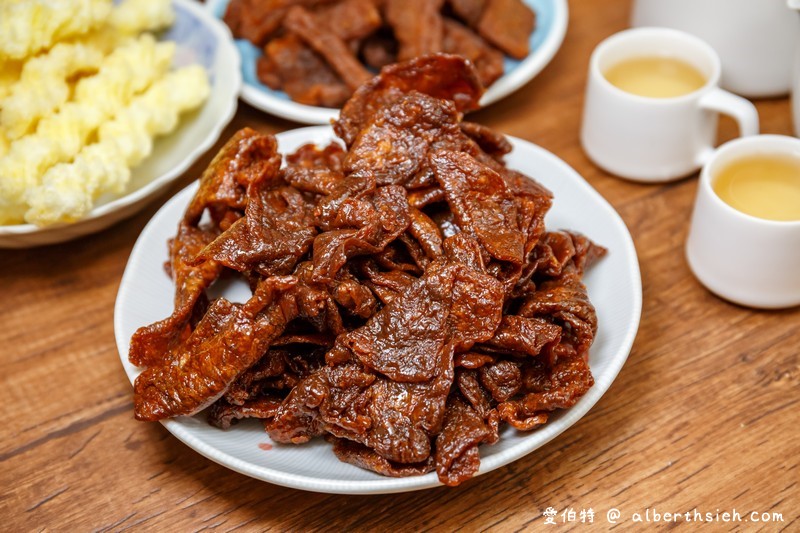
(614, 285)
(551, 26)
(200, 38)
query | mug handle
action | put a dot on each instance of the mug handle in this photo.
(740, 109)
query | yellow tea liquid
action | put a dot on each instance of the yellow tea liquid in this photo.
(764, 186)
(655, 77)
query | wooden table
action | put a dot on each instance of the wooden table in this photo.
(704, 415)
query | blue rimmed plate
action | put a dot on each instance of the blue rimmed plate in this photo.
(551, 26)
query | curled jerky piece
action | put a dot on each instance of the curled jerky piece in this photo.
(442, 76)
(328, 45)
(417, 25)
(482, 204)
(508, 25)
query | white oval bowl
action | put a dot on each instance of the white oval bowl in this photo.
(200, 38)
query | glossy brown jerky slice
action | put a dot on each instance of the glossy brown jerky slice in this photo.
(561, 388)
(488, 60)
(521, 336)
(396, 414)
(257, 20)
(417, 26)
(359, 455)
(481, 203)
(245, 158)
(442, 76)
(290, 65)
(445, 305)
(223, 414)
(469, 11)
(275, 233)
(330, 158)
(508, 25)
(349, 19)
(457, 456)
(328, 45)
(565, 302)
(492, 143)
(152, 344)
(393, 147)
(228, 340)
(382, 217)
(379, 50)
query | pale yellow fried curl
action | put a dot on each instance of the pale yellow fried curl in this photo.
(59, 137)
(68, 190)
(29, 26)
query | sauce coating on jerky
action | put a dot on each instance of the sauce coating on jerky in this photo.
(406, 298)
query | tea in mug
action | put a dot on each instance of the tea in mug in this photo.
(764, 186)
(655, 77)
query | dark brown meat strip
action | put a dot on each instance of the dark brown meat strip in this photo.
(328, 45)
(481, 203)
(224, 414)
(152, 344)
(492, 143)
(393, 147)
(508, 25)
(273, 236)
(446, 305)
(257, 20)
(457, 456)
(417, 26)
(349, 19)
(247, 157)
(366, 458)
(228, 340)
(291, 66)
(460, 40)
(522, 336)
(559, 388)
(469, 11)
(442, 76)
(396, 411)
(380, 217)
(565, 302)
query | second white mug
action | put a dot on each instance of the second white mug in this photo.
(656, 139)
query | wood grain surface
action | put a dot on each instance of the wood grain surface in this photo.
(704, 415)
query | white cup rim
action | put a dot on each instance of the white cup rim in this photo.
(744, 145)
(624, 35)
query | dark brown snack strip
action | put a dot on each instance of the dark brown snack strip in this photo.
(328, 45)
(508, 25)
(417, 26)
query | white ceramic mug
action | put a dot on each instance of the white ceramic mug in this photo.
(795, 4)
(656, 139)
(755, 39)
(747, 260)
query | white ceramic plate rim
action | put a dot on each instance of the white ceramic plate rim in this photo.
(383, 485)
(225, 40)
(527, 69)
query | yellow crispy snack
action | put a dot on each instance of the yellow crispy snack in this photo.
(9, 75)
(68, 190)
(28, 26)
(127, 71)
(43, 87)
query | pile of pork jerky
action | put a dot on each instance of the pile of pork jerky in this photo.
(406, 301)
